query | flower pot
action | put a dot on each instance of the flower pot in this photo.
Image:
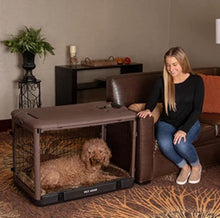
(28, 65)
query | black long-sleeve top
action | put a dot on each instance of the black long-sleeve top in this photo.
(189, 97)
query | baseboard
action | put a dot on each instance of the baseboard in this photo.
(5, 125)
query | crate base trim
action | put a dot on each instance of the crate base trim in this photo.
(81, 192)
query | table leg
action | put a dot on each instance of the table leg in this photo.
(103, 132)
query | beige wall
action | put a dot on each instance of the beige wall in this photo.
(141, 29)
(192, 26)
(99, 28)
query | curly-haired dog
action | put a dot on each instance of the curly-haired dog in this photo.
(78, 170)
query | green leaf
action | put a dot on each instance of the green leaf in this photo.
(29, 39)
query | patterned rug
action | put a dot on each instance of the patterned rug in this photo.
(161, 198)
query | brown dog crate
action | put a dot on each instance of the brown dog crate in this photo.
(43, 134)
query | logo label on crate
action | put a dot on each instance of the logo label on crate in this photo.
(90, 190)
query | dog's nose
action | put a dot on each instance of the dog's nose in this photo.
(97, 161)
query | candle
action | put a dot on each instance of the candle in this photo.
(72, 50)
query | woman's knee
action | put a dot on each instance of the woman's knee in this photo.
(164, 140)
(182, 147)
(187, 151)
(165, 144)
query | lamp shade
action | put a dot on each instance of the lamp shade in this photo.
(217, 29)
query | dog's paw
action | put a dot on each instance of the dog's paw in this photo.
(50, 180)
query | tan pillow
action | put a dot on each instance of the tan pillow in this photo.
(137, 107)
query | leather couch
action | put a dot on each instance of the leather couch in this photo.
(127, 89)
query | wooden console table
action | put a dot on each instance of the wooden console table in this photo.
(66, 80)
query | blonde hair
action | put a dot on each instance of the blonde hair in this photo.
(169, 87)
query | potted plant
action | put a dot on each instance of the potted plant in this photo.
(29, 42)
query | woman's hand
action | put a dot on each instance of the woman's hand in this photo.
(178, 136)
(144, 114)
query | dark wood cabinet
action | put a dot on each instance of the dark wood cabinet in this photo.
(66, 85)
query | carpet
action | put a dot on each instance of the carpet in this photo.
(158, 199)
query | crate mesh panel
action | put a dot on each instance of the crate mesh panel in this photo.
(53, 144)
(24, 157)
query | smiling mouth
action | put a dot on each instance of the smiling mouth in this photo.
(172, 72)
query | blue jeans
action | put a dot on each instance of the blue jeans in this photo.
(181, 153)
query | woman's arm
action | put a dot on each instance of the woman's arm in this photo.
(156, 94)
(154, 97)
(197, 105)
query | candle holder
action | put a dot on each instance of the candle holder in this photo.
(73, 60)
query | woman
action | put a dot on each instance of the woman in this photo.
(182, 95)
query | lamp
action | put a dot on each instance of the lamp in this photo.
(217, 29)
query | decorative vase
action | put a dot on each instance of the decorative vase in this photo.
(28, 65)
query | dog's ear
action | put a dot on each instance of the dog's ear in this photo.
(107, 156)
(85, 155)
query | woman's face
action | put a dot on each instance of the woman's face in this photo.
(173, 67)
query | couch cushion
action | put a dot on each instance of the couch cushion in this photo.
(125, 89)
(212, 119)
(212, 93)
(207, 133)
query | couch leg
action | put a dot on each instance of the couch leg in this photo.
(142, 183)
